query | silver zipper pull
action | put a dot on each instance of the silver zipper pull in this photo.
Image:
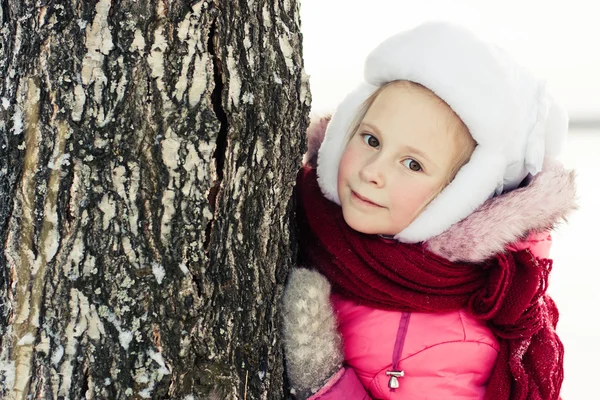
(394, 375)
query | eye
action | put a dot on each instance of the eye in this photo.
(412, 165)
(370, 140)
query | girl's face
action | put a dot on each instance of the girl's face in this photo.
(398, 159)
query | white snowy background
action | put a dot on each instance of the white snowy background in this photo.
(558, 41)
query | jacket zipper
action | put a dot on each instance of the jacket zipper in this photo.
(396, 373)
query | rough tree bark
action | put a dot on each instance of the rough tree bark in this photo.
(148, 154)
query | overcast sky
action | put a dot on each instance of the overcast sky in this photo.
(559, 41)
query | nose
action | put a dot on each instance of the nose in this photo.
(372, 172)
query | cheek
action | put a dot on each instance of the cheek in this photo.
(408, 199)
(347, 163)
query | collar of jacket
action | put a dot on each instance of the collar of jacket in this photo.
(546, 201)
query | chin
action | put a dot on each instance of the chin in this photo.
(370, 229)
(358, 224)
(364, 229)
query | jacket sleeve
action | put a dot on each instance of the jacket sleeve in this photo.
(344, 385)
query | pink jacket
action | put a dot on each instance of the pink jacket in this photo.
(451, 355)
(442, 356)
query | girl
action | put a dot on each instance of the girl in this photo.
(427, 214)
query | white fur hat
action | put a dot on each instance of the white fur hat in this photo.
(514, 121)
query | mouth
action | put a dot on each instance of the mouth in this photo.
(363, 200)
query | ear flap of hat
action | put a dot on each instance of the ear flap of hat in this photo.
(557, 127)
(548, 135)
(334, 143)
(473, 184)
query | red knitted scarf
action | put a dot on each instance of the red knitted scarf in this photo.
(507, 291)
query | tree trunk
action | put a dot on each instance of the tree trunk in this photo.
(148, 153)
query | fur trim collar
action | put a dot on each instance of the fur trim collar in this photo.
(545, 202)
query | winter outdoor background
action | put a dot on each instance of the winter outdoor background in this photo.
(560, 42)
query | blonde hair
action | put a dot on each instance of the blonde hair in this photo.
(463, 139)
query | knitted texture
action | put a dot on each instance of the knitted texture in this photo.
(312, 343)
(507, 290)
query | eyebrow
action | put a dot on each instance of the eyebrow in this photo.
(409, 148)
(421, 154)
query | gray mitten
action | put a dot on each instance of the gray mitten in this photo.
(312, 343)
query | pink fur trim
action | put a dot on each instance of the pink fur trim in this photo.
(545, 202)
(315, 135)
